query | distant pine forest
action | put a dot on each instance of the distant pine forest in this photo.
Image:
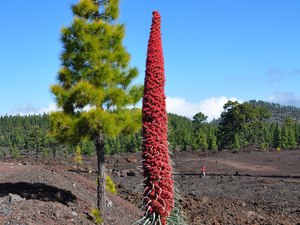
(254, 123)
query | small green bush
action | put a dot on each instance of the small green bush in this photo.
(78, 156)
(110, 185)
(97, 216)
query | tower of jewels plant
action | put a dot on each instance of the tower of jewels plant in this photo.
(157, 170)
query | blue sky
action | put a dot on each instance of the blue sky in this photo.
(214, 51)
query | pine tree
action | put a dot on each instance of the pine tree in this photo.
(236, 143)
(212, 140)
(289, 125)
(285, 137)
(159, 192)
(201, 140)
(94, 83)
(277, 141)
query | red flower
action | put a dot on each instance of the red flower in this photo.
(159, 193)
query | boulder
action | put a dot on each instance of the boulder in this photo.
(12, 198)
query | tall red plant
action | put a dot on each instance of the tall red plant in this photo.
(159, 193)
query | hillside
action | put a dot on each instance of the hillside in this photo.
(279, 112)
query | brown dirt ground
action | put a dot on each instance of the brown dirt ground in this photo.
(53, 195)
(252, 187)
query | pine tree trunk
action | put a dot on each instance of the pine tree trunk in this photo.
(101, 181)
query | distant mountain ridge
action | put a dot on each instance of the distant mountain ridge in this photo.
(279, 112)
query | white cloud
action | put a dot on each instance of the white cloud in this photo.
(31, 110)
(211, 107)
(285, 98)
(52, 107)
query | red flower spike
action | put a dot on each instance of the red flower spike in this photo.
(159, 193)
